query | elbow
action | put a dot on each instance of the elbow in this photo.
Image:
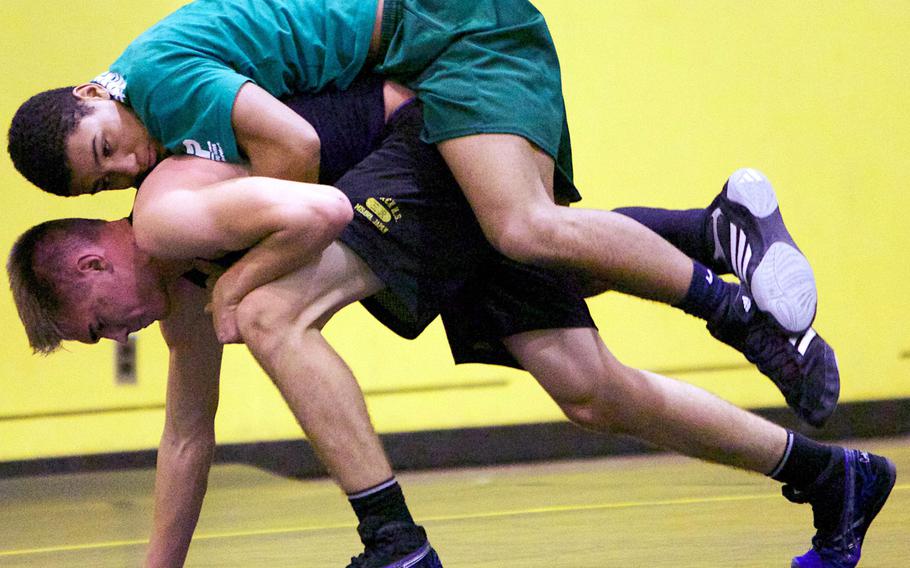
(323, 218)
(302, 158)
(338, 215)
(340, 211)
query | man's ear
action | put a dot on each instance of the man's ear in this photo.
(93, 262)
(89, 91)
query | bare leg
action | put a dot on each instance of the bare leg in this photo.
(598, 392)
(508, 182)
(847, 488)
(281, 324)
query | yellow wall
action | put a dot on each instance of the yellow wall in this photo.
(665, 99)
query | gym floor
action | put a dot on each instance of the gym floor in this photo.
(654, 510)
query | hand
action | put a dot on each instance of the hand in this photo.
(224, 314)
(222, 309)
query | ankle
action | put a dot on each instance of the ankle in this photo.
(805, 462)
(384, 501)
(708, 294)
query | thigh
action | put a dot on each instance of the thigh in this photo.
(504, 177)
(469, 63)
(483, 67)
(312, 294)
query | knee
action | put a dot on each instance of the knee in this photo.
(529, 235)
(264, 321)
(596, 415)
(602, 406)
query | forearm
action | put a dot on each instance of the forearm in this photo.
(188, 442)
(180, 484)
(301, 231)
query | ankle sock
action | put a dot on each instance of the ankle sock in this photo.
(383, 501)
(707, 292)
(803, 461)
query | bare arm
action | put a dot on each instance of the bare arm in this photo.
(277, 141)
(188, 442)
(193, 208)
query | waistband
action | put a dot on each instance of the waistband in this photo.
(391, 15)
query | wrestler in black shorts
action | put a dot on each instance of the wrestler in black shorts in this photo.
(415, 230)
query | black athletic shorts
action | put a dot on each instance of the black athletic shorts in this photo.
(415, 230)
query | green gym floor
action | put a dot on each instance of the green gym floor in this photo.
(644, 511)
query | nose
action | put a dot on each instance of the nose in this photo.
(123, 171)
(126, 165)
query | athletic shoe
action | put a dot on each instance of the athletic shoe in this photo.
(802, 366)
(394, 545)
(751, 241)
(845, 499)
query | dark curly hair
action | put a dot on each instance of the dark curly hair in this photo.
(38, 134)
(40, 279)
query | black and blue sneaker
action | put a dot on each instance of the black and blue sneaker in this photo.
(845, 500)
(394, 545)
(802, 366)
(751, 241)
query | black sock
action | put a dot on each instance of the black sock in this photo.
(384, 501)
(803, 461)
(707, 291)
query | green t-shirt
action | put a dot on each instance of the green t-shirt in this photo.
(181, 76)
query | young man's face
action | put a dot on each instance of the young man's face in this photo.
(109, 149)
(119, 301)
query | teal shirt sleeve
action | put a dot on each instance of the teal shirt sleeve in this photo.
(192, 115)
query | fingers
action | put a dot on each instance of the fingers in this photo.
(226, 328)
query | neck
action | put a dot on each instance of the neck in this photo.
(170, 270)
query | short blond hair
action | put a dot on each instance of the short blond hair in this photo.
(39, 276)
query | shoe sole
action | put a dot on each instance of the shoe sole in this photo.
(782, 284)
